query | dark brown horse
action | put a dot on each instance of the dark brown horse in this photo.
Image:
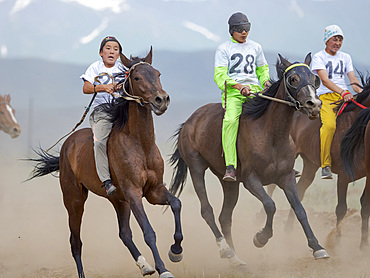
(306, 136)
(265, 152)
(135, 162)
(355, 155)
(8, 122)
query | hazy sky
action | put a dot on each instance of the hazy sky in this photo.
(71, 30)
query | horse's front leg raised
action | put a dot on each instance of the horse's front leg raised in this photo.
(288, 184)
(175, 253)
(159, 195)
(254, 185)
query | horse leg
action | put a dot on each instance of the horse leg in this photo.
(74, 200)
(288, 184)
(137, 208)
(175, 252)
(365, 213)
(123, 214)
(308, 175)
(231, 195)
(206, 210)
(161, 196)
(260, 216)
(341, 209)
(254, 185)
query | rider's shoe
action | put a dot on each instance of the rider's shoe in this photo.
(109, 187)
(326, 173)
(230, 174)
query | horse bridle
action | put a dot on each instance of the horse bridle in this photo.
(128, 96)
(291, 100)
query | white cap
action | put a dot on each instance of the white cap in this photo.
(331, 31)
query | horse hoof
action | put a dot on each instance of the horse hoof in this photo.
(166, 274)
(257, 243)
(225, 250)
(175, 258)
(145, 268)
(321, 254)
(236, 262)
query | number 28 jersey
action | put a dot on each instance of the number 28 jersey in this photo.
(241, 59)
(337, 67)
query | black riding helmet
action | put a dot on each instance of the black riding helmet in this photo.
(237, 21)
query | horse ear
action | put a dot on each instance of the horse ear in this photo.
(149, 57)
(125, 61)
(307, 60)
(285, 62)
(7, 98)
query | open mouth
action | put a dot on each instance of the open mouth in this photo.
(156, 110)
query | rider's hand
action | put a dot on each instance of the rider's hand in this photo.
(347, 96)
(110, 88)
(245, 91)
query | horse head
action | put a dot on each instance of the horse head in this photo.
(8, 122)
(300, 86)
(144, 83)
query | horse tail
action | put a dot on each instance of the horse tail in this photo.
(180, 170)
(353, 142)
(45, 164)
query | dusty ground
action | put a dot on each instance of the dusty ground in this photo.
(34, 235)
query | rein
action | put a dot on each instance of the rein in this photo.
(344, 105)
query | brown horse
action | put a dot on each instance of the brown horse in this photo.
(8, 122)
(265, 152)
(306, 136)
(355, 151)
(135, 162)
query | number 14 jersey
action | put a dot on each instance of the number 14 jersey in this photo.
(337, 67)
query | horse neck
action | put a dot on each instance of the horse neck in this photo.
(278, 117)
(140, 123)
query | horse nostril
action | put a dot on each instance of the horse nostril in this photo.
(158, 100)
(310, 103)
(168, 99)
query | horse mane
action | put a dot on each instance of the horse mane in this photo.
(256, 106)
(358, 97)
(117, 108)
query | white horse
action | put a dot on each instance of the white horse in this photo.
(8, 122)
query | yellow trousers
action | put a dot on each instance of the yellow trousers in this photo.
(328, 126)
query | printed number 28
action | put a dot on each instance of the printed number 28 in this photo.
(248, 68)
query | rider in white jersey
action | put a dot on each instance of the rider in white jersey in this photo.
(240, 68)
(332, 65)
(110, 50)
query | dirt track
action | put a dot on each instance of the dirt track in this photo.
(34, 235)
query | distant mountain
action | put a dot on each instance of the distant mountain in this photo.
(49, 101)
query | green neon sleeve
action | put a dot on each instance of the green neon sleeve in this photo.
(263, 74)
(220, 76)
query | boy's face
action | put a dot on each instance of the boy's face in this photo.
(110, 53)
(334, 44)
(240, 37)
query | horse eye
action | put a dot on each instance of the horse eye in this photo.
(136, 78)
(294, 80)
